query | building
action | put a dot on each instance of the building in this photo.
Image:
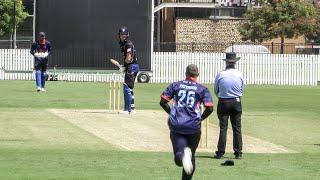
(194, 25)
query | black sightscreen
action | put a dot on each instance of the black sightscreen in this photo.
(83, 33)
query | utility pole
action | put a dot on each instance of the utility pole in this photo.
(158, 27)
(34, 20)
(14, 29)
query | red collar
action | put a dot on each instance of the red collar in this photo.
(194, 79)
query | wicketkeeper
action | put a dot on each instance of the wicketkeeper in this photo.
(41, 49)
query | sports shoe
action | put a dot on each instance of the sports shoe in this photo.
(238, 156)
(218, 155)
(186, 161)
(133, 112)
(43, 90)
(38, 89)
(124, 112)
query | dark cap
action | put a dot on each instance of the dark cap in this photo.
(192, 70)
(228, 163)
(42, 34)
(231, 57)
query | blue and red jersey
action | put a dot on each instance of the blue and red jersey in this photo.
(41, 46)
(128, 47)
(187, 96)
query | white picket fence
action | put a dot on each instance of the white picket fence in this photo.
(170, 66)
(16, 64)
(89, 77)
(257, 68)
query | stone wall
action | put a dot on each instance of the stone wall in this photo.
(216, 35)
(209, 35)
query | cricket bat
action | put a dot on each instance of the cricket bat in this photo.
(116, 63)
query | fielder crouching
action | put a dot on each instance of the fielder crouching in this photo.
(185, 117)
(41, 49)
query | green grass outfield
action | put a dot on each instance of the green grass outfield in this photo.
(35, 144)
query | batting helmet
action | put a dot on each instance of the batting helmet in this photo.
(123, 31)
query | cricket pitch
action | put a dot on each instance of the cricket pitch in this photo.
(147, 130)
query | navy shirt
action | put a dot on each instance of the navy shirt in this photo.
(38, 47)
(128, 47)
(185, 115)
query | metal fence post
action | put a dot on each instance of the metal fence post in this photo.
(232, 45)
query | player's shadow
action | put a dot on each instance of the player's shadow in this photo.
(312, 144)
(204, 156)
(212, 157)
(94, 112)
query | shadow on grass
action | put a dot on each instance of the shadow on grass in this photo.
(212, 157)
(204, 156)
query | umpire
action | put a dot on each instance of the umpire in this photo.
(228, 87)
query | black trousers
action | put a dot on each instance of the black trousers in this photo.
(129, 79)
(230, 108)
(131, 73)
(179, 142)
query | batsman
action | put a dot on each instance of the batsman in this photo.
(131, 69)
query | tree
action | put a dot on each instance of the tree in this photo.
(314, 36)
(279, 18)
(8, 16)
